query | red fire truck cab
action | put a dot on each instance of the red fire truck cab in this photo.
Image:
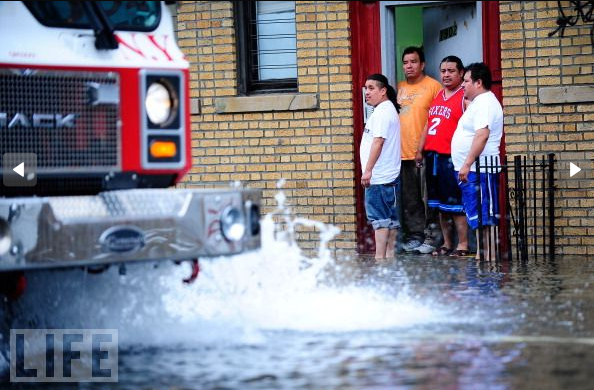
(94, 126)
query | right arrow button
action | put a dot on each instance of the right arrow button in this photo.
(573, 169)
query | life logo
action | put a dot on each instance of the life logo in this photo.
(63, 355)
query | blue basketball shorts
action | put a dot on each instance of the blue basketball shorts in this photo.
(488, 187)
(443, 191)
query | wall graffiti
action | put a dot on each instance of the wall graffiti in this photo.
(577, 10)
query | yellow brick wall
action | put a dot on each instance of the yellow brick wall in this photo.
(312, 150)
(531, 60)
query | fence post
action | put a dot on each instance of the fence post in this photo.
(480, 243)
(534, 208)
(507, 208)
(551, 191)
(543, 168)
(493, 238)
(521, 203)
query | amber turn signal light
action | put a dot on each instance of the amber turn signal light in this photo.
(163, 149)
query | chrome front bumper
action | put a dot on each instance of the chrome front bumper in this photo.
(126, 226)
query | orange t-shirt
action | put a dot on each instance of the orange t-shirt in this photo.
(414, 100)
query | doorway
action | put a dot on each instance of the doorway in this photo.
(440, 28)
(469, 30)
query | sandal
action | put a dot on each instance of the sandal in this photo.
(460, 253)
(443, 251)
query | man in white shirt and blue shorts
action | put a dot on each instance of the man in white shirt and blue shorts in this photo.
(380, 164)
(479, 134)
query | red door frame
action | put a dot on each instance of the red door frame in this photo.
(492, 57)
(366, 59)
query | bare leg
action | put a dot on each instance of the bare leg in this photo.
(489, 238)
(446, 230)
(381, 242)
(478, 246)
(462, 229)
(489, 243)
(393, 233)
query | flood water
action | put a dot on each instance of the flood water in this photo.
(274, 319)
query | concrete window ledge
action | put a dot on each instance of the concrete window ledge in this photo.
(568, 94)
(267, 103)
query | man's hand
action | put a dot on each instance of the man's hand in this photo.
(419, 159)
(478, 145)
(463, 174)
(374, 154)
(366, 179)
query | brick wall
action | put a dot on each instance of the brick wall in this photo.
(533, 64)
(311, 149)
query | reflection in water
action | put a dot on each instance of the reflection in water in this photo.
(278, 319)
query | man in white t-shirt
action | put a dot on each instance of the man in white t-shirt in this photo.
(479, 134)
(380, 164)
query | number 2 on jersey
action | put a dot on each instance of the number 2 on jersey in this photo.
(433, 129)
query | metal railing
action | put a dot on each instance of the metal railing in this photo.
(526, 199)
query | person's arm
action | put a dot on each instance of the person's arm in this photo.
(376, 150)
(419, 155)
(478, 144)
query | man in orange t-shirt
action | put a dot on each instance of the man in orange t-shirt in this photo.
(415, 95)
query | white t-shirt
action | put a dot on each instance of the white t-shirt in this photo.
(384, 123)
(484, 111)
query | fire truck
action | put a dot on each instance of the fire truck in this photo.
(94, 128)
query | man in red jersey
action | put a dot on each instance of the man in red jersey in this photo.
(435, 143)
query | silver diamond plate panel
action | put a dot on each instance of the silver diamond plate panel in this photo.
(132, 203)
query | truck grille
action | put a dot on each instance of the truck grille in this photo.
(51, 113)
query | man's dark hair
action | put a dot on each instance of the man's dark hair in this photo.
(414, 49)
(480, 71)
(382, 82)
(454, 59)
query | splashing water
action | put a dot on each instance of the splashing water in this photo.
(278, 288)
(274, 288)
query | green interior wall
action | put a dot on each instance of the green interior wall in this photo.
(409, 32)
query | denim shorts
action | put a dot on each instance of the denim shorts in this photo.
(489, 198)
(382, 205)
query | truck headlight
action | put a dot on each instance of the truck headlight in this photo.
(5, 237)
(232, 224)
(253, 210)
(158, 103)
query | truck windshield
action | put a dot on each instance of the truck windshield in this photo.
(122, 15)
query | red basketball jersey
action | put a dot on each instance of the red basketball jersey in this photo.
(443, 120)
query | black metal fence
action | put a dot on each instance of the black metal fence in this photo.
(526, 213)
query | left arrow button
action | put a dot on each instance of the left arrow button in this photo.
(20, 169)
